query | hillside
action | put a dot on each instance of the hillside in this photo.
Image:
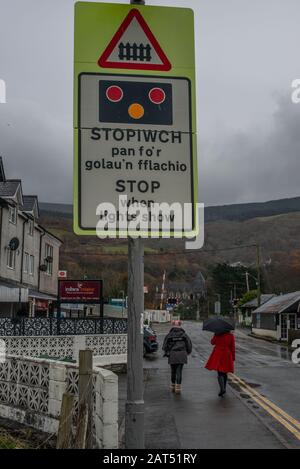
(253, 210)
(278, 236)
(220, 212)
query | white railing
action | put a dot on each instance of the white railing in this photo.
(31, 393)
(65, 346)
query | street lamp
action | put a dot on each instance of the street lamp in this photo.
(247, 281)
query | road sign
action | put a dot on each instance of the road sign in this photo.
(135, 126)
(62, 274)
(134, 47)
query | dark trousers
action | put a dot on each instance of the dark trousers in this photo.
(224, 376)
(176, 373)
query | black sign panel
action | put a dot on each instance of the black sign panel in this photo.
(130, 102)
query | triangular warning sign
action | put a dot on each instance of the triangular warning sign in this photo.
(134, 47)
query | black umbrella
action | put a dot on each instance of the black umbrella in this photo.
(218, 324)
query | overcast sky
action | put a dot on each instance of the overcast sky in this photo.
(248, 129)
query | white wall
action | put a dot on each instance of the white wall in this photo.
(49, 283)
(265, 333)
(32, 391)
(65, 346)
(156, 315)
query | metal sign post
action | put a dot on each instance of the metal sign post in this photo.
(135, 412)
(134, 421)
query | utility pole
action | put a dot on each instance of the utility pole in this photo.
(162, 291)
(247, 281)
(258, 275)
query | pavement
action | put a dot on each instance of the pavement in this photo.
(260, 410)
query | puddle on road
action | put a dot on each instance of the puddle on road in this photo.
(244, 395)
(285, 353)
(234, 385)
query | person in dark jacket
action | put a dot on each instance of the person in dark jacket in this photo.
(177, 346)
(222, 358)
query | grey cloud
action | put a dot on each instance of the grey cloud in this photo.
(37, 148)
(254, 165)
(244, 50)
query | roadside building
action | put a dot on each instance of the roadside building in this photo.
(29, 254)
(277, 316)
(245, 311)
(187, 290)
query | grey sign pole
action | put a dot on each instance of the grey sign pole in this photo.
(135, 412)
(134, 422)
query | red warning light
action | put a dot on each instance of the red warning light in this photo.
(157, 95)
(114, 93)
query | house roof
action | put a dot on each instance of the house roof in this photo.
(2, 172)
(30, 205)
(199, 282)
(197, 285)
(40, 295)
(278, 304)
(263, 299)
(49, 233)
(9, 188)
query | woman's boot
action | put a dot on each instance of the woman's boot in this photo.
(221, 381)
(177, 388)
(172, 387)
(225, 381)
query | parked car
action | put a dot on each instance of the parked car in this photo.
(150, 340)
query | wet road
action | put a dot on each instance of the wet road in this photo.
(261, 408)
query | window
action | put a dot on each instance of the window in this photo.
(31, 265)
(30, 227)
(11, 259)
(12, 214)
(258, 318)
(49, 258)
(26, 262)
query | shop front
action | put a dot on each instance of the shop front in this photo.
(40, 304)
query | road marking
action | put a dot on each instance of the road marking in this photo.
(276, 412)
(284, 414)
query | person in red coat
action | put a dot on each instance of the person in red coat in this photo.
(222, 358)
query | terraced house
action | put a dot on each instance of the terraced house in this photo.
(29, 254)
